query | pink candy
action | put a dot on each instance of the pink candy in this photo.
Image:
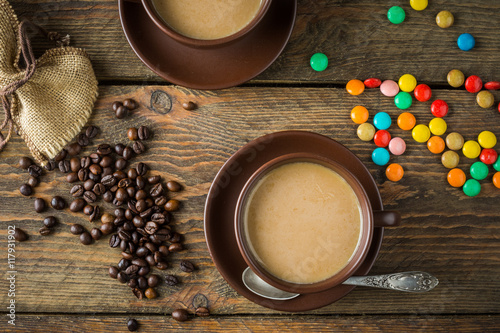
(389, 88)
(397, 146)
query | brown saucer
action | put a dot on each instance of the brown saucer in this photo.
(208, 68)
(221, 203)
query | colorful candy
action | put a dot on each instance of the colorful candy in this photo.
(396, 14)
(454, 141)
(422, 92)
(438, 126)
(488, 156)
(455, 78)
(419, 4)
(421, 133)
(496, 179)
(435, 145)
(444, 19)
(456, 177)
(355, 87)
(394, 172)
(450, 159)
(382, 138)
(472, 188)
(471, 149)
(389, 88)
(406, 121)
(479, 170)
(359, 114)
(382, 120)
(407, 83)
(485, 99)
(366, 131)
(473, 84)
(397, 146)
(492, 85)
(466, 42)
(319, 62)
(403, 100)
(496, 165)
(487, 139)
(439, 108)
(380, 156)
(372, 83)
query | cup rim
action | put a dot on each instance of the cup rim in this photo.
(194, 42)
(360, 252)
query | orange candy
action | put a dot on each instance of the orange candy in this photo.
(456, 177)
(355, 87)
(436, 145)
(496, 179)
(406, 121)
(359, 114)
(394, 172)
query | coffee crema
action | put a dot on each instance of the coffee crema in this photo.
(302, 222)
(207, 19)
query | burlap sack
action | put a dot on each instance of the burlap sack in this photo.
(51, 99)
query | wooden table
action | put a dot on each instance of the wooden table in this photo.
(62, 285)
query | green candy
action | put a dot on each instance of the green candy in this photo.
(403, 100)
(479, 170)
(472, 187)
(396, 14)
(319, 62)
(496, 165)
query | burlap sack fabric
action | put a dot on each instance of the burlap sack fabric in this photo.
(51, 99)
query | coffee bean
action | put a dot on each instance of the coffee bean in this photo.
(113, 272)
(180, 315)
(74, 149)
(175, 247)
(150, 260)
(156, 190)
(50, 221)
(139, 262)
(91, 132)
(61, 155)
(122, 277)
(132, 270)
(121, 112)
(83, 175)
(163, 250)
(162, 235)
(107, 228)
(95, 214)
(99, 189)
(173, 186)
(143, 133)
(44, 231)
(154, 179)
(150, 293)
(138, 147)
(20, 235)
(121, 194)
(83, 140)
(51, 165)
(176, 237)
(107, 196)
(25, 162)
(114, 240)
(85, 162)
(142, 169)
(171, 280)
(33, 181)
(186, 266)
(108, 180)
(88, 210)
(151, 227)
(130, 104)
(77, 190)
(96, 178)
(106, 161)
(202, 312)
(107, 218)
(119, 149)
(77, 205)
(138, 293)
(89, 196)
(35, 170)
(76, 229)
(74, 164)
(125, 182)
(88, 185)
(120, 164)
(96, 233)
(72, 177)
(58, 203)
(127, 153)
(127, 256)
(172, 205)
(40, 205)
(104, 149)
(95, 169)
(95, 158)
(116, 105)
(132, 134)
(141, 251)
(64, 166)
(190, 106)
(132, 325)
(85, 238)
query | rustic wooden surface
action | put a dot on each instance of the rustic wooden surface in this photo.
(63, 285)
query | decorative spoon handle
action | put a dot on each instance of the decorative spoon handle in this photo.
(406, 281)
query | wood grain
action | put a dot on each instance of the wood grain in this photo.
(443, 232)
(355, 35)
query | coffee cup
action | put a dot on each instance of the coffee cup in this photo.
(304, 223)
(202, 23)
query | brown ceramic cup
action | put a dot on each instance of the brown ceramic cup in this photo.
(193, 42)
(370, 219)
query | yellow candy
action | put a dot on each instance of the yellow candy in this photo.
(407, 83)
(444, 19)
(419, 4)
(366, 131)
(455, 141)
(421, 133)
(471, 149)
(487, 139)
(485, 99)
(455, 78)
(450, 159)
(437, 126)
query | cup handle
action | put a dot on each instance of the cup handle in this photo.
(386, 218)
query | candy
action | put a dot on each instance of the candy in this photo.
(355, 87)
(382, 138)
(437, 126)
(421, 133)
(396, 14)
(359, 114)
(319, 62)
(389, 88)
(444, 19)
(382, 120)
(403, 100)
(407, 83)
(372, 83)
(422, 92)
(472, 188)
(455, 78)
(473, 84)
(456, 177)
(492, 85)
(496, 165)
(488, 156)
(397, 146)
(439, 108)
(454, 141)
(366, 131)
(471, 149)
(406, 121)
(479, 170)
(485, 99)
(450, 159)
(487, 139)
(466, 42)
(419, 4)
(435, 145)
(380, 156)
(496, 179)
(394, 172)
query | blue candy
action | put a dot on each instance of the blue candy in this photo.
(466, 42)
(382, 120)
(380, 156)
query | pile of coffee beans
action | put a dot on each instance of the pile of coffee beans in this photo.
(122, 109)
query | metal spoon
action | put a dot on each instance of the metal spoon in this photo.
(406, 281)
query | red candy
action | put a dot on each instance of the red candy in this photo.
(372, 83)
(439, 108)
(492, 85)
(488, 156)
(422, 92)
(473, 84)
(382, 138)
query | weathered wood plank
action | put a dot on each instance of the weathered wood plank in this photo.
(356, 35)
(443, 232)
